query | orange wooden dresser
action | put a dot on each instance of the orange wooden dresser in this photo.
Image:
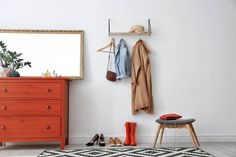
(34, 109)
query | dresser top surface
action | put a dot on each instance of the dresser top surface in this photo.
(34, 78)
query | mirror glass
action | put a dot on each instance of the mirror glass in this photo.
(59, 50)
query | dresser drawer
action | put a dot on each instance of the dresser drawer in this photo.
(31, 89)
(30, 107)
(29, 127)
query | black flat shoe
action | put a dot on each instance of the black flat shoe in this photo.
(94, 139)
(101, 140)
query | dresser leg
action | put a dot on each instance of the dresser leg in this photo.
(67, 141)
(62, 145)
(1, 144)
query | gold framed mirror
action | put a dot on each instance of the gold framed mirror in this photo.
(61, 51)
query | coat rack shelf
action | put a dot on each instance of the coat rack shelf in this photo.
(148, 33)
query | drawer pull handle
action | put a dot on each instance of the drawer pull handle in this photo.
(49, 90)
(47, 127)
(4, 107)
(3, 127)
(4, 90)
(48, 107)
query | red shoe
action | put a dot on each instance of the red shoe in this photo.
(127, 131)
(132, 134)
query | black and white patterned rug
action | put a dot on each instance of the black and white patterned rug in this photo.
(127, 152)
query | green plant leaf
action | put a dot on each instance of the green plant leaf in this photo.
(11, 59)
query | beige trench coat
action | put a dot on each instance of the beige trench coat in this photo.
(141, 81)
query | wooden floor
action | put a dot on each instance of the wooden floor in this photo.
(216, 149)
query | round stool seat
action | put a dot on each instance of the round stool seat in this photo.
(178, 121)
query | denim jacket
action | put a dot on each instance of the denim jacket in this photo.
(122, 61)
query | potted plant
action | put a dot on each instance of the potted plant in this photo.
(11, 61)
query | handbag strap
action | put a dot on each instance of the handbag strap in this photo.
(111, 50)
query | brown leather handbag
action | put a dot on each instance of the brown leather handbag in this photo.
(111, 76)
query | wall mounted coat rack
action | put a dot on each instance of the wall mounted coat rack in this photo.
(128, 33)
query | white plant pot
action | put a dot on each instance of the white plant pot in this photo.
(4, 72)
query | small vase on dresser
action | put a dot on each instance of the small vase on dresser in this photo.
(4, 72)
(34, 109)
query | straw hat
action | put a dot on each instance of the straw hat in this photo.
(137, 29)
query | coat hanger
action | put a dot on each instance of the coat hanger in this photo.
(111, 45)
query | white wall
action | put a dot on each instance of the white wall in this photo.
(193, 61)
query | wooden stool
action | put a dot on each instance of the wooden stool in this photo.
(180, 123)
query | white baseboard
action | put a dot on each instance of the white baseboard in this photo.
(150, 139)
